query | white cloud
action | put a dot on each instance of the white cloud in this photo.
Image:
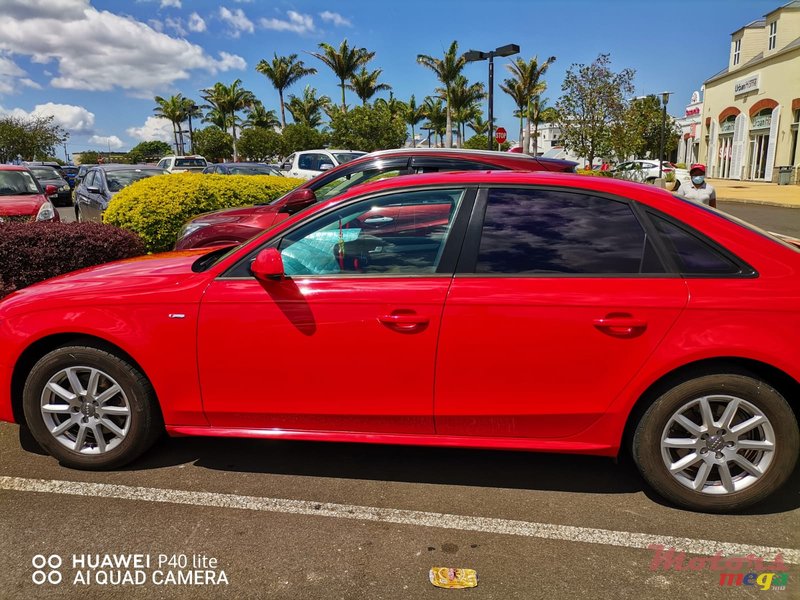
(176, 25)
(27, 82)
(335, 19)
(107, 141)
(196, 23)
(170, 3)
(11, 77)
(75, 119)
(228, 62)
(156, 24)
(154, 128)
(236, 20)
(100, 51)
(297, 23)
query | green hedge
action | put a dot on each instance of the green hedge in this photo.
(157, 207)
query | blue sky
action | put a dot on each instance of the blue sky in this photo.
(96, 64)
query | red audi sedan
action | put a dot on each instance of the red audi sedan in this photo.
(22, 198)
(527, 311)
(236, 225)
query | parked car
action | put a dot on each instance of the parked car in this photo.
(102, 183)
(236, 225)
(641, 170)
(559, 313)
(22, 198)
(82, 170)
(182, 164)
(310, 163)
(47, 175)
(242, 168)
(70, 172)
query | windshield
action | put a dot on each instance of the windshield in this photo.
(45, 173)
(191, 162)
(345, 182)
(254, 170)
(15, 183)
(119, 179)
(343, 157)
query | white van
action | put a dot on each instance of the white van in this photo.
(310, 163)
(182, 164)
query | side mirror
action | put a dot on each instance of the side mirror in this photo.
(287, 166)
(325, 166)
(93, 189)
(298, 200)
(268, 266)
(50, 190)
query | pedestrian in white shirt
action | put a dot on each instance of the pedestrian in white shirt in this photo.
(699, 190)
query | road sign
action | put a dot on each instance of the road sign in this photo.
(500, 135)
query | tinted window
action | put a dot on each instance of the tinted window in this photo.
(432, 165)
(88, 180)
(541, 231)
(119, 179)
(190, 162)
(402, 233)
(340, 184)
(13, 183)
(313, 162)
(693, 255)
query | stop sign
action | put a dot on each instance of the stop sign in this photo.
(500, 135)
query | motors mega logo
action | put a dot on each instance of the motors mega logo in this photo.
(747, 570)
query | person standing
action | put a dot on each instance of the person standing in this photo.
(699, 189)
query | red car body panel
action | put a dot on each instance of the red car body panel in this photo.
(321, 357)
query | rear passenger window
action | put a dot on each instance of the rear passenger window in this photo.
(693, 255)
(528, 231)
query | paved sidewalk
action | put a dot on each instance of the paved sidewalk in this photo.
(757, 192)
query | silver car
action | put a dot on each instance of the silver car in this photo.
(101, 183)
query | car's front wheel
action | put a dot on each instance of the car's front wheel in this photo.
(89, 408)
(717, 443)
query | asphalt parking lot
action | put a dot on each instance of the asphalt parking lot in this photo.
(318, 520)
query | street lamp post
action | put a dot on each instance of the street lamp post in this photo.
(476, 55)
(664, 100)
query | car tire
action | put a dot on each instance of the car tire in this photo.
(90, 408)
(717, 443)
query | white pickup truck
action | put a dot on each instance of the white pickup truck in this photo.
(310, 163)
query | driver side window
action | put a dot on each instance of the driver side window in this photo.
(402, 233)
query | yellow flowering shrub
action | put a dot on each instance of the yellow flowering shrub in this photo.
(157, 207)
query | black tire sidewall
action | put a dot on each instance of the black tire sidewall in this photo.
(136, 388)
(647, 441)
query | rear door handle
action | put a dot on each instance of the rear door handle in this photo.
(621, 325)
(405, 322)
(373, 220)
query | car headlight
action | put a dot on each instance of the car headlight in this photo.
(46, 212)
(64, 188)
(190, 228)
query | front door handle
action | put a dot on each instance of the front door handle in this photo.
(621, 325)
(405, 322)
(374, 220)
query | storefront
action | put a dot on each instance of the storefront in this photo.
(690, 125)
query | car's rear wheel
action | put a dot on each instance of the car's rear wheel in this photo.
(90, 408)
(717, 443)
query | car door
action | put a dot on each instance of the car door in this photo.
(82, 206)
(96, 196)
(347, 341)
(558, 300)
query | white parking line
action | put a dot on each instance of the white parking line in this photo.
(549, 531)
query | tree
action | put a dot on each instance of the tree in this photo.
(540, 112)
(479, 126)
(297, 137)
(225, 101)
(306, 110)
(282, 72)
(436, 115)
(368, 128)
(413, 115)
(344, 62)
(260, 144)
(92, 157)
(365, 84)
(481, 142)
(592, 101)
(213, 143)
(393, 105)
(149, 151)
(516, 90)
(638, 132)
(29, 137)
(258, 116)
(174, 110)
(446, 70)
(464, 98)
(526, 76)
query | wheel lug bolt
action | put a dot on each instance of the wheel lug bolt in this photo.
(703, 450)
(719, 455)
(730, 444)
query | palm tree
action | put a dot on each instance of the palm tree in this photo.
(173, 109)
(227, 101)
(478, 125)
(463, 98)
(284, 71)
(344, 62)
(529, 75)
(413, 115)
(258, 116)
(365, 84)
(540, 112)
(396, 108)
(306, 110)
(446, 70)
(191, 111)
(437, 116)
(515, 89)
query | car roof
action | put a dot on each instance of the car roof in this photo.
(600, 184)
(13, 168)
(118, 167)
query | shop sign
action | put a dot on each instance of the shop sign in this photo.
(727, 126)
(762, 121)
(748, 84)
(691, 112)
